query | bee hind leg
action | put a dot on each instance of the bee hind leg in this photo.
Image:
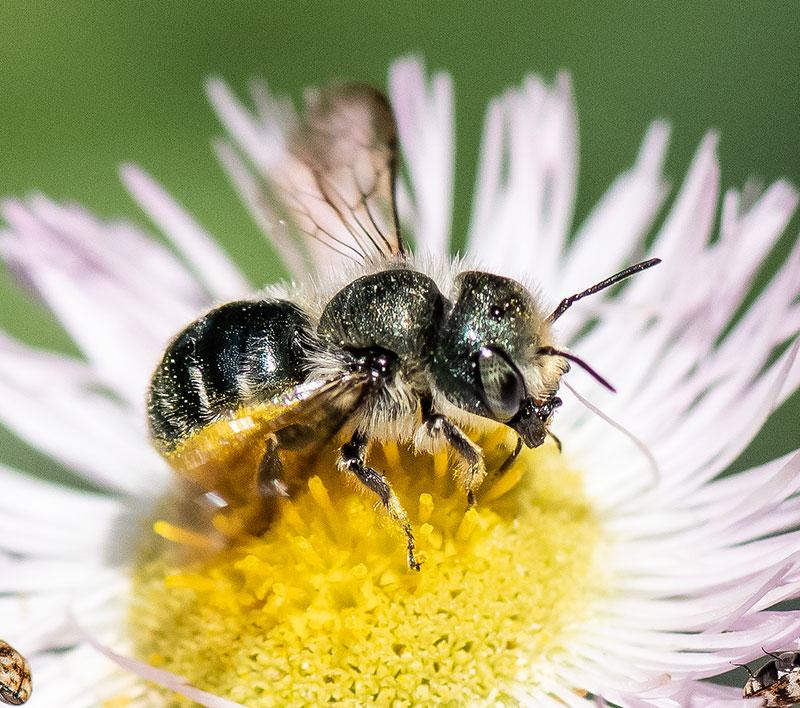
(269, 478)
(352, 459)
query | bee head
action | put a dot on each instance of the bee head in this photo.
(492, 355)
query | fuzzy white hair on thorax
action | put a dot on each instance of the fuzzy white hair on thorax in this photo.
(319, 288)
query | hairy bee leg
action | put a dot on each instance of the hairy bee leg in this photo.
(270, 470)
(437, 426)
(352, 459)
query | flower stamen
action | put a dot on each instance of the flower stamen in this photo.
(321, 606)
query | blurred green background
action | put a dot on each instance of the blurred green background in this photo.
(86, 85)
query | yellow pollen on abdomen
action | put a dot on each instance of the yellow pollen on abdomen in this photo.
(322, 608)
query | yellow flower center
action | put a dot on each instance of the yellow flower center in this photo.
(322, 607)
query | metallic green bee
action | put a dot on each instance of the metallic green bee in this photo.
(388, 348)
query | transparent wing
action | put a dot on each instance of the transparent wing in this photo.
(336, 183)
(231, 448)
(221, 464)
(324, 404)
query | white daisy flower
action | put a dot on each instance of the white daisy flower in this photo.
(626, 569)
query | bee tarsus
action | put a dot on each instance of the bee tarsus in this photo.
(413, 563)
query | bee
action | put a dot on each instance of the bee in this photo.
(384, 349)
(777, 681)
(16, 684)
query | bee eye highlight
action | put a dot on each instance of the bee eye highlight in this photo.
(500, 384)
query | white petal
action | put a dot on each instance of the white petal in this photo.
(77, 678)
(526, 182)
(58, 405)
(83, 270)
(424, 116)
(52, 521)
(252, 194)
(216, 271)
(263, 140)
(614, 230)
(688, 226)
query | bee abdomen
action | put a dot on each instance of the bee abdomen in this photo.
(238, 354)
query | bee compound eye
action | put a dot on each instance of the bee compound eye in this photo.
(500, 383)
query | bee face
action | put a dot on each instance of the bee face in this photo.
(486, 359)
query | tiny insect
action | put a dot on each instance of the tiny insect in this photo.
(16, 684)
(777, 681)
(383, 349)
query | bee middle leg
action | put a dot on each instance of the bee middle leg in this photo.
(352, 459)
(436, 427)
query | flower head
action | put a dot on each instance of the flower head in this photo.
(626, 567)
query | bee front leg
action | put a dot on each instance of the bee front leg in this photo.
(436, 428)
(553, 437)
(512, 458)
(352, 459)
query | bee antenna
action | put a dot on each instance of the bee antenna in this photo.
(567, 302)
(769, 653)
(742, 666)
(552, 351)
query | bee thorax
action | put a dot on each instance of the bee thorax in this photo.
(398, 310)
